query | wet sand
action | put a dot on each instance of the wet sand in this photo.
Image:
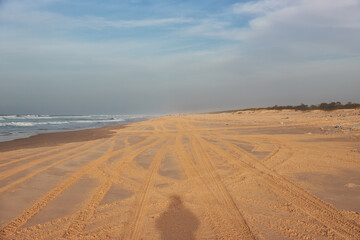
(247, 175)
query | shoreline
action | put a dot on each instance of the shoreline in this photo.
(60, 137)
(23, 126)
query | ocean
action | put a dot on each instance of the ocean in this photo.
(22, 126)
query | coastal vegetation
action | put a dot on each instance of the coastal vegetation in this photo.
(321, 106)
(303, 107)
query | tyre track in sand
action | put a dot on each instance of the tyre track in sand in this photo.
(273, 159)
(20, 168)
(240, 228)
(133, 228)
(34, 173)
(58, 222)
(224, 214)
(322, 212)
(37, 154)
(21, 153)
(84, 215)
(11, 227)
(46, 230)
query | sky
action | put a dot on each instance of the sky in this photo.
(143, 57)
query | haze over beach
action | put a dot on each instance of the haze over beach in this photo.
(116, 120)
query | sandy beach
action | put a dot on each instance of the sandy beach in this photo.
(243, 175)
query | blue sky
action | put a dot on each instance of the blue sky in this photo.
(63, 56)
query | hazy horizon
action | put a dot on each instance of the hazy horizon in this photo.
(144, 57)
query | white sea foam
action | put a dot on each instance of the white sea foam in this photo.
(30, 124)
(99, 120)
(17, 124)
(40, 117)
(20, 117)
(56, 123)
(8, 116)
(71, 116)
(25, 125)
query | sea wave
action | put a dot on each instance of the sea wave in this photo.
(24, 125)
(99, 120)
(71, 116)
(30, 124)
(17, 124)
(19, 117)
(40, 117)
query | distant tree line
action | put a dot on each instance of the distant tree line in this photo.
(303, 107)
(321, 106)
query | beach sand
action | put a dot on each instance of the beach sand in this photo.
(244, 175)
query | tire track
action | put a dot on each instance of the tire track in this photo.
(20, 153)
(230, 226)
(44, 231)
(191, 172)
(31, 155)
(20, 180)
(126, 141)
(18, 169)
(279, 148)
(319, 210)
(273, 160)
(133, 229)
(40, 204)
(218, 189)
(11, 227)
(87, 212)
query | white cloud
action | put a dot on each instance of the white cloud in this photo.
(289, 27)
(30, 14)
(308, 14)
(261, 7)
(102, 22)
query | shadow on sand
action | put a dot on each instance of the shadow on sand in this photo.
(177, 222)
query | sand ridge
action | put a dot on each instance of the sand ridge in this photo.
(243, 176)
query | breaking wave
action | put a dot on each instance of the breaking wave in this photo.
(29, 124)
(18, 126)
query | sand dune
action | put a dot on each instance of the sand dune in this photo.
(249, 175)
